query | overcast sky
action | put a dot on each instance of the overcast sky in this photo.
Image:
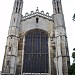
(6, 7)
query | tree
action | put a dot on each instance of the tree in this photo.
(73, 49)
(74, 17)
(72, 67)
(73, 55)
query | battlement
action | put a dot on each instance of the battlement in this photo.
(36, 13)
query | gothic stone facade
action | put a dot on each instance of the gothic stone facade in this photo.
(36, 43)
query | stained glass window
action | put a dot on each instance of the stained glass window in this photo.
(36, 52)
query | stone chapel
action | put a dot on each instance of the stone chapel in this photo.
(36, 43)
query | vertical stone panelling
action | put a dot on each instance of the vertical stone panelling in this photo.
(10, 59)
(60, 35)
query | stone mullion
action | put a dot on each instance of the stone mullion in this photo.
(45, 62)
(32, 51)
(45, 54)
(40, 42)
(40, 51)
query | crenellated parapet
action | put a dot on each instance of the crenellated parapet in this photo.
(37, 13)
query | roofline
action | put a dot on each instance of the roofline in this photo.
(40, 14)
(37, 13)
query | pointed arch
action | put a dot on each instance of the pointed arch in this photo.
(36, 52)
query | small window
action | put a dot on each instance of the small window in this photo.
(8, 63)
(11, 37)
(17, 4)
(58, 6)
(58, 9)
(55, 10)
(16, 9)
(37, 20)
(14, 19)
(9, 48)
(19, 10)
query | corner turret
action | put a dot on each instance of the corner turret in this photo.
(57, 6)
(18, 4)
(11, 51)
(62, 53)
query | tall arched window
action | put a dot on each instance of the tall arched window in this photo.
(36, 52)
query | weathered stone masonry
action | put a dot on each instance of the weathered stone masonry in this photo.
(54, 30)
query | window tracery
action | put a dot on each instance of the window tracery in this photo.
(36, 52)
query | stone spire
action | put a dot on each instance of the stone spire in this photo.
(57, 6)
(18, 4)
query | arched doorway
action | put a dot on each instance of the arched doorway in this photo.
(36, 52)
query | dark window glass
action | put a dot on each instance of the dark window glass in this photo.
(36, 52)
(17, 4)
(14, 20)
(37, 20)
(8, 63)
(16, 9)
(58, 6)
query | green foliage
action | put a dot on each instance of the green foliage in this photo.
(72, 69)
(74, 17)
(74, 49)
(73, 55)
